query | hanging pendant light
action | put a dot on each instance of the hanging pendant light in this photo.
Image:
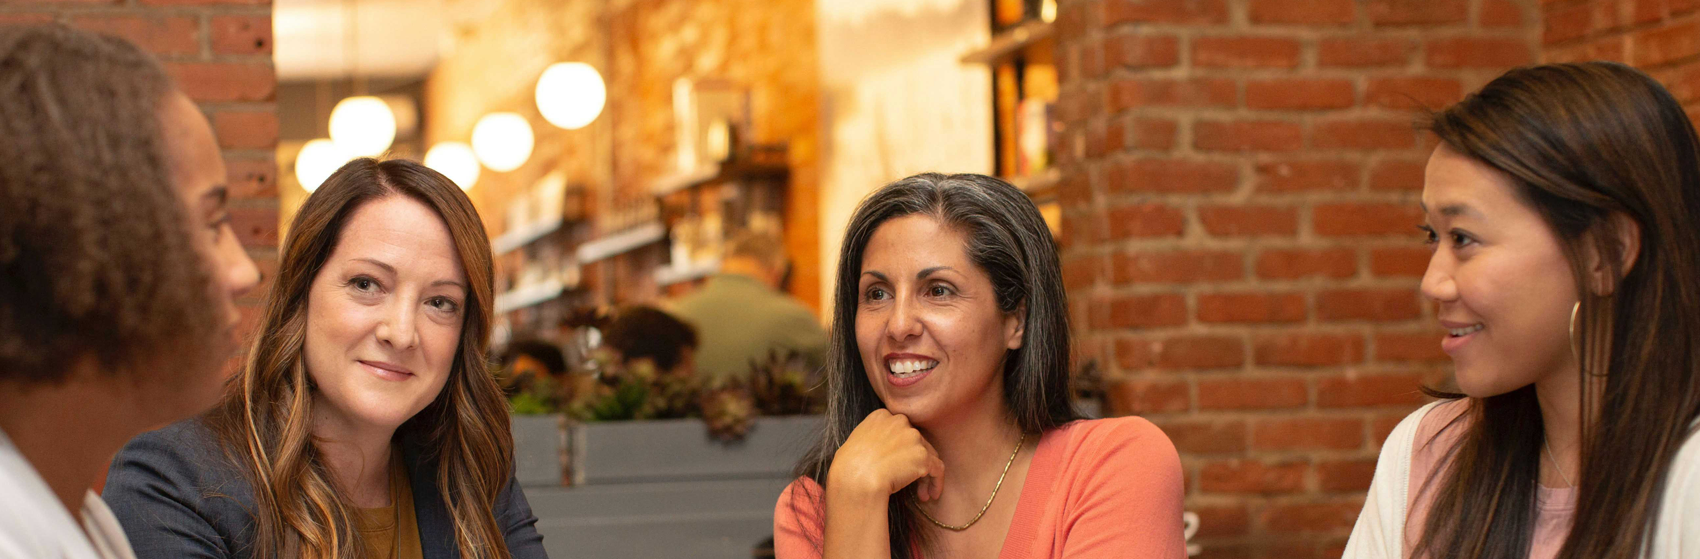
(456, 161)
(362, 126)
(316, 161)
(571, 94)
(502, 141)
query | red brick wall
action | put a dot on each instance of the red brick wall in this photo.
(1240, 203)
(1661, 37)
(220, 53)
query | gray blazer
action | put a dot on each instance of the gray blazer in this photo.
(178, 496)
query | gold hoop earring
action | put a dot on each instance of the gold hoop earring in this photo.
(1573, 311)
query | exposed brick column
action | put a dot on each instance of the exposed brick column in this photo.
(1661, 37)
(220, 53)
(1240, 202)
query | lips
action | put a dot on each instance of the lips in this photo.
(1458, 335)
(387, 371)
(906, 369)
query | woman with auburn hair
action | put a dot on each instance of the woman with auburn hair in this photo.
(365, 423)
(1563, 208)
(949, 430)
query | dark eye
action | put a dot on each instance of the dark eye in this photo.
(443, 304)
(1429, 236)
(363, 283)
(1461, 240)
(938, 291)
(217, 226)
(875, 294)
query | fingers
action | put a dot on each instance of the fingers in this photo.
(935, 468)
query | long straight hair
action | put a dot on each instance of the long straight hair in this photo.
(1008, 240)
(1585, 144)
(265, 419)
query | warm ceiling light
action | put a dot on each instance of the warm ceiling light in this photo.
(362, 126)
(571, 94)
(502, 141)
(316, 161)
(454, 160)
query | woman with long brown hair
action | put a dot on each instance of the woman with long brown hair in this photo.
(365, 423)
(1563, 207)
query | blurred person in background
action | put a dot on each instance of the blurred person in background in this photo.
(742, 314)
(121, 270)
(644, 333)
(526, 361)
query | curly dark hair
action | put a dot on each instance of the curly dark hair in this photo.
(95, 242)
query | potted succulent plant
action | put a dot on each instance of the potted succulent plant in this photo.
(631, 423)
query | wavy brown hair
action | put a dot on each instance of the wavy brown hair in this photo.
(1586, 145)
(264, 420)
(95, 241)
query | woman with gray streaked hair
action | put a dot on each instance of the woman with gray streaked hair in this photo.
(949, 431)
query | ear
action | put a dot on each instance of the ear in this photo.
(1015, 327)
(1623, 235)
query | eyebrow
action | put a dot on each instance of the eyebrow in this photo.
(918, 275)
(1454, 210)
(219, 195)
(933, 270)
(391, 270)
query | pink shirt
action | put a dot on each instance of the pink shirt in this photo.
(1555, 508)
(1096, 489)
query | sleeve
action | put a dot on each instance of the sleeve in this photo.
(798, 528)
(1380, 529)
(519, 524)
(1677, 531)
(1129, 504)
(151, 490)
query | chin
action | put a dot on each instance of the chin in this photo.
(381, 410)
(1478, 384)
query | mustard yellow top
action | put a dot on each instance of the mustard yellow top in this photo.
(392, 532)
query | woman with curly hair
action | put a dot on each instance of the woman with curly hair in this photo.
(120, 267)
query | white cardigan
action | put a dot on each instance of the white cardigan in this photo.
(1380, 531)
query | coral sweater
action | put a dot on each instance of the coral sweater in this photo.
(1096, 489)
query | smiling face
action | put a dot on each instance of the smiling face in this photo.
(928, 328)
(384, 317)
(1503, 286)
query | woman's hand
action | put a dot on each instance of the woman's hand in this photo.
(883, 455)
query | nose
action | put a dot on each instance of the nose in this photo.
(241, 275)
(1439, 284)
(903, 323)
(397, 329)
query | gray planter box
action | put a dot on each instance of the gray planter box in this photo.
(540, 449)
(681, 450)
(643, 489)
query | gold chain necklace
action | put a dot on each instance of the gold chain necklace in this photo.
(989, 500)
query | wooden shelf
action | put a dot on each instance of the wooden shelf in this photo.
(525, 234)
(1010, 42)
(529, 296)
(716, 174)
(1042, 186)
(621, 242)
(670, 275)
